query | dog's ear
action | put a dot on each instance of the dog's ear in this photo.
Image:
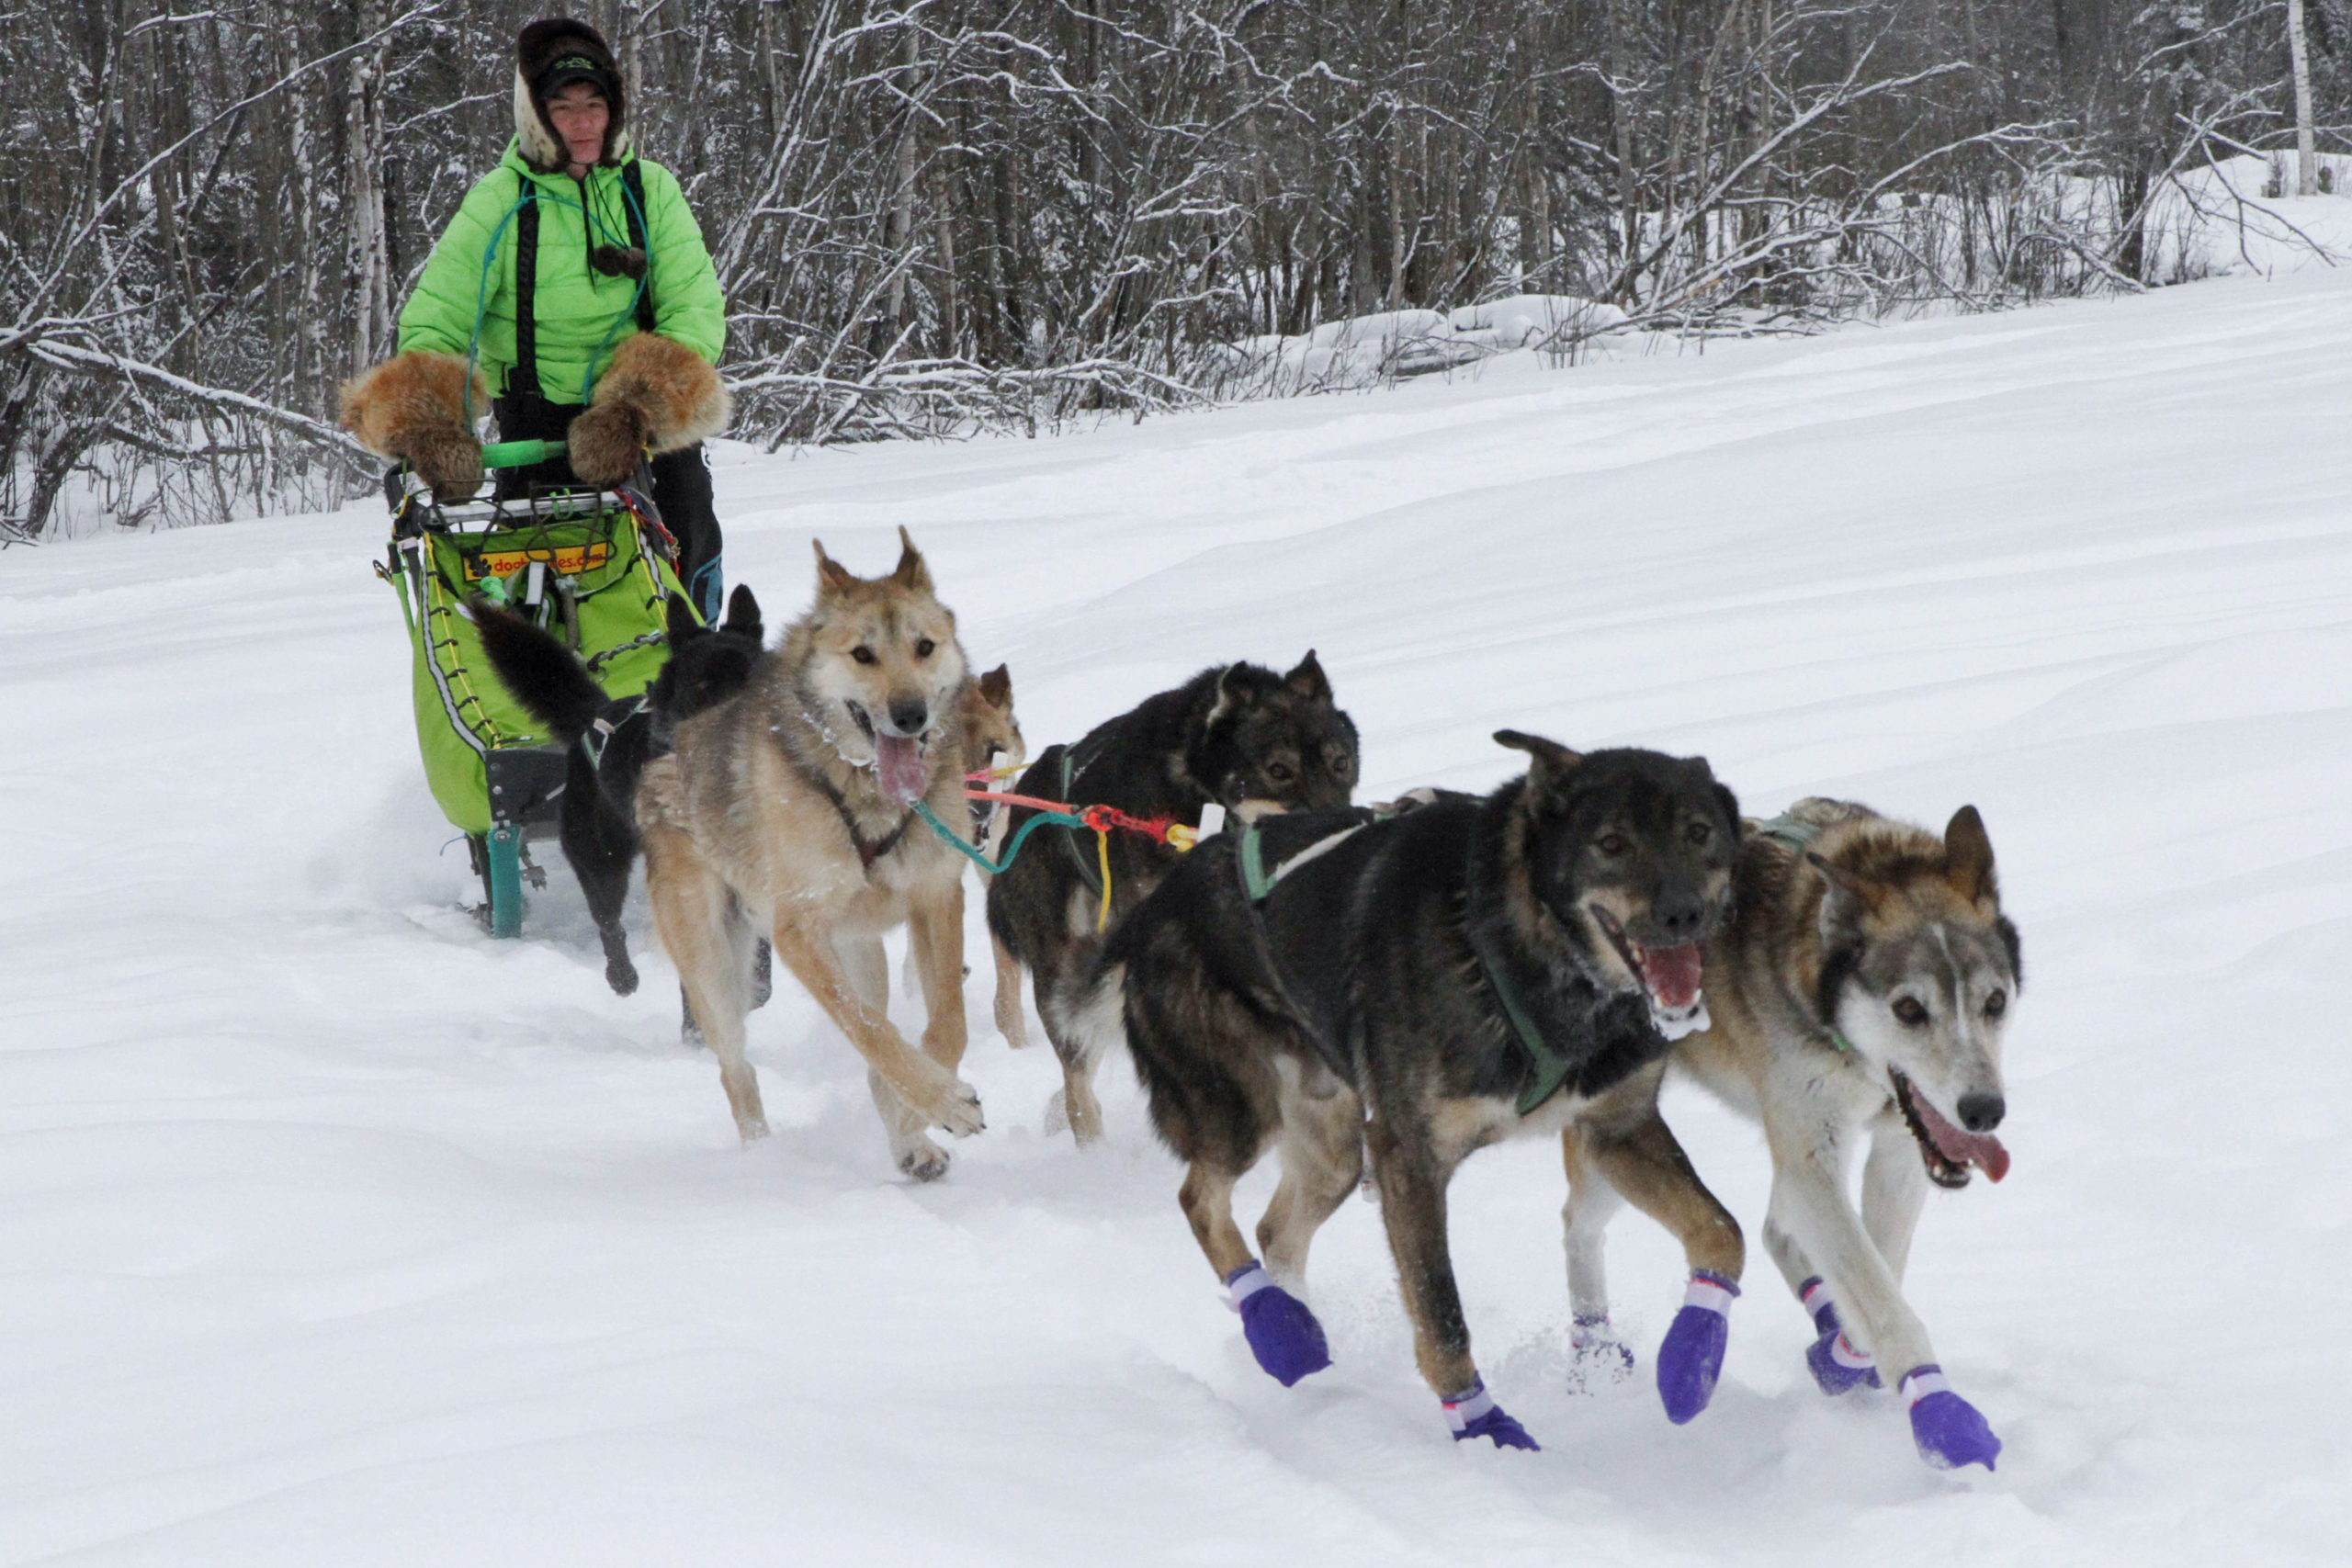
(833, 577)
(1309, 682)
(680, 617)
(1234, 691)
(1728, 804)
(996, 687)
(1551, 765)
(1850, 894)
(1968, 856)
(743, 614)
(911, 574)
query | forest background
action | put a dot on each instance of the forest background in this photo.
(957, 215)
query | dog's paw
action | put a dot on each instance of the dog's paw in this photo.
(1691, 1357)
(1597, 1358)
(1837, 1366)
(1949, 1431)
(1472, 1412)
(923, 1160)
(621, 975)
(1282, 1334)
(951, 1105)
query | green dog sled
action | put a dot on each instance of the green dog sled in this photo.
(594, 567)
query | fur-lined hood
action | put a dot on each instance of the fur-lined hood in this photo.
(541, 46)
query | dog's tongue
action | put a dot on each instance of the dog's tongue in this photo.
(899, 761)
(1979, 1150)
(1672, 974)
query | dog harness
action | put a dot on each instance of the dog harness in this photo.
(601, 730)
(1071, 768)
(1787, 830)
(1550, 1068)
(869, 850)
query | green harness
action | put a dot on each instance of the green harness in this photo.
(1549, 1066)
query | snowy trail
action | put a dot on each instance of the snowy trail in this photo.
(331, 1231)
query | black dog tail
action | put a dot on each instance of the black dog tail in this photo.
(542, 674)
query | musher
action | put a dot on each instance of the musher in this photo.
(575, 280)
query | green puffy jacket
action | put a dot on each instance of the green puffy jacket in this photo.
(582, 314)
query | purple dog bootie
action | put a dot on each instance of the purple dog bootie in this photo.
(1472, 1412)
(1692, 1357)
(1282, 1334)
(1596, 1356)
(1837, 1366)
(1947, 1428)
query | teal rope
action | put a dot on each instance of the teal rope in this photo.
(588, 377)
(1060, 818)
(490, 259)
(482, 299)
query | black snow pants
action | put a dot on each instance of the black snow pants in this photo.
(681, 492)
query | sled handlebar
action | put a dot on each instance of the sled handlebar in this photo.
(519, 453)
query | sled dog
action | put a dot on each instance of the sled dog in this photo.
(1413, 989)
(610, 741)
(990, 731)
(1229, 734)
(1861, 986)
(791, 808)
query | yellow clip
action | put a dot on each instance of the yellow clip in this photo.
(1181, 838)
(1102, 858)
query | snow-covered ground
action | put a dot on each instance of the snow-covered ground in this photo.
(331, 1231)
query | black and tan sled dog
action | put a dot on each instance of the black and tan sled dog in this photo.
(1230, 734)
(610, 741)
(1862, 987)
(1414, 988)
(792, 808)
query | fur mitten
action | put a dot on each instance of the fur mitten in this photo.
(657, 396)
(413, 408)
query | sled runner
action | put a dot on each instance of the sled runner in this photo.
(593, 567)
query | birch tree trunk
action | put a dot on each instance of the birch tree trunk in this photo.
(372, 268)
(2306, 152)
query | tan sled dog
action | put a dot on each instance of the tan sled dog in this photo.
(791, 808)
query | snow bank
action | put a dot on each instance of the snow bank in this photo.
(334, 1232)
(1363, 351)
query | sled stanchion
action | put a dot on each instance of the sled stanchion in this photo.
(503, 873)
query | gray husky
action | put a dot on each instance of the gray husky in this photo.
(1862, 986)
(1412, 989)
